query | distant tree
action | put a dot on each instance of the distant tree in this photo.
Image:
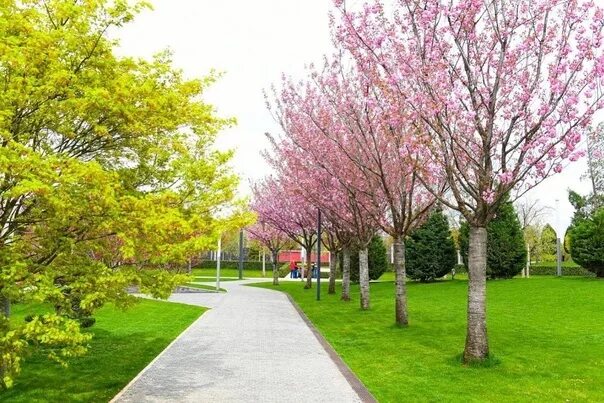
(506, 252)
(529, 213)
(378, 261)
(548, 243)
(595, 159)
(587, 243)
(430, 249)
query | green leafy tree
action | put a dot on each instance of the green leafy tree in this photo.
(378, 260)
(587, 242)
(108, 176)
(548, 243)
(430, 250)
(506, 252)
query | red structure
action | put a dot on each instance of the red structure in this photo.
(296, 256)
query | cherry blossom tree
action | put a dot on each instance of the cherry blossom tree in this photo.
(503, 92)
(279, 207)
(332, 183)
(273, 239)
(371, 152)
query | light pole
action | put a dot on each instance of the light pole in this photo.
(241, 254)
(218, 263)
(558, 249)
(318, 255)
(263, 263)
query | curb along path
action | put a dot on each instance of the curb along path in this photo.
(252, 346)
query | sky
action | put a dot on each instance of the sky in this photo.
(253, 43)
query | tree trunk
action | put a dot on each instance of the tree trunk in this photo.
(364, 278)
(308, 268)
(401, 316)
(477, 345)
(5, 302)
(528, 261)
(275, 270)
(345, 274)
(332, 272)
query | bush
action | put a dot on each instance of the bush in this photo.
(587, 242)
(87, 322)
(377, 260)
(506, 252)
(430, 251)
(549, 270)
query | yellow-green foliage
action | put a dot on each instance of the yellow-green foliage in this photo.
(107, 171)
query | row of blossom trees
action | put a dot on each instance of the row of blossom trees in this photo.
(463, 103)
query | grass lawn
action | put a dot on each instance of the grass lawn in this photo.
(207, 279)
(546, 336)
(123, 344)
(211, 273)
(204, 287)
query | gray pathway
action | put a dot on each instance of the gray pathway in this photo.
(252, 346)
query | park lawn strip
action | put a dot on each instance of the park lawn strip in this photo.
(233, 273)
(123, 343)
(546, 337)
(204, 287)
(209, 279)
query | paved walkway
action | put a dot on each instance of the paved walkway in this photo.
(252, 346)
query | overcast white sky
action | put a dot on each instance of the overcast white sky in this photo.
(253, 43)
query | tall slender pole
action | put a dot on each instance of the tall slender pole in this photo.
(218, 263)
(558, 249)
(263, 263)
(241, 254)
(319, 255)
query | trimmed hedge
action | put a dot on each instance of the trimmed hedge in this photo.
(538, 270)
(566, 271)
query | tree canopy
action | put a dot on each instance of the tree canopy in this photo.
(108, 173)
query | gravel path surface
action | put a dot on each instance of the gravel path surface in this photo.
(252, 346)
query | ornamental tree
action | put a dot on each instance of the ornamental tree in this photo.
(587, 242)
(338, 112)
(431, 250)
(280, 208)
(502, 91)
(107, 177)
(273, 239)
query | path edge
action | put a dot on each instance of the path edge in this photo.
(115, 398)
(344, 369)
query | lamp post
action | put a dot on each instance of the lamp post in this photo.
(558, 249)
(218, 263)
(318, 255)
(241, 254)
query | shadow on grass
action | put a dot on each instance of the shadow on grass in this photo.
(110, 363)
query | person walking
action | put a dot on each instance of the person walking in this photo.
(292, 268)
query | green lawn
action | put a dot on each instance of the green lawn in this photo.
(211, 273)
(123, 344)
(546, 335)
(204, 287)
(208, 279)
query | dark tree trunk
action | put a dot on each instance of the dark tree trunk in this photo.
(401, 315)
(346, 274)
(364, 278)
(332, 272)
(308, 268)
(477, 345)
(275, 270)
(5, 302)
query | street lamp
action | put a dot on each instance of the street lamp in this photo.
(318, 255)
(558, 248)
(241, 254)
(218, 263)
